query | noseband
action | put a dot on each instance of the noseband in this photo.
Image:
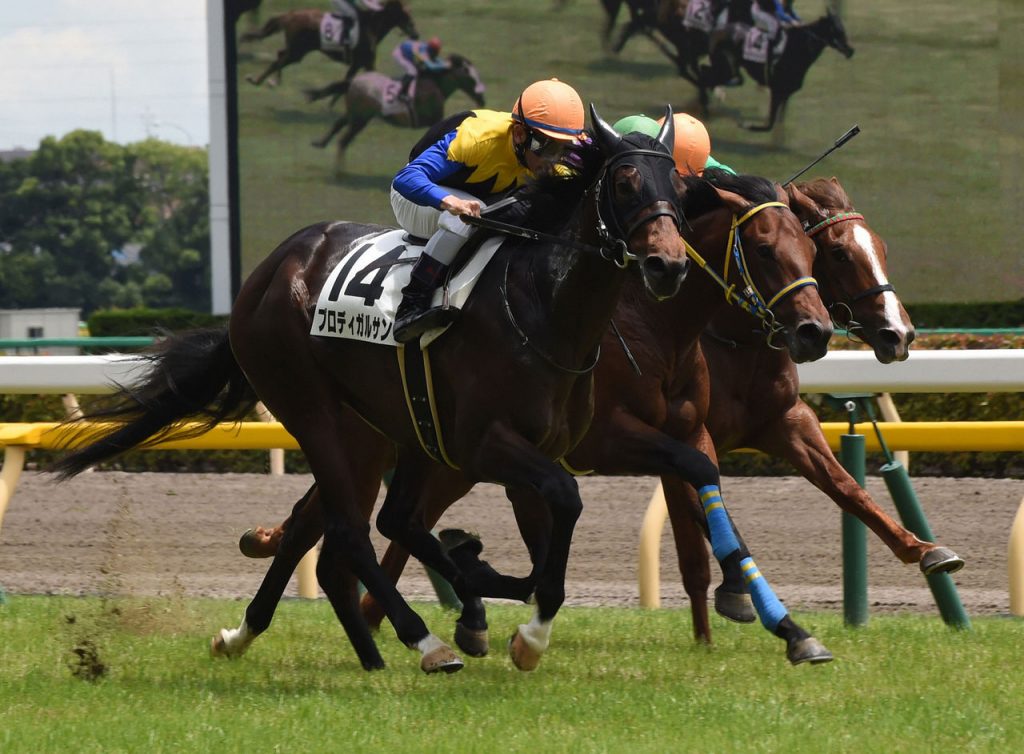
(749, 298)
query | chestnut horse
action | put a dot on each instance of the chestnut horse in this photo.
(652, 423)
(302, 36)
(755, 398)
(513, 386)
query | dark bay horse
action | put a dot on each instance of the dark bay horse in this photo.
(513, 392)
(652, 423)
(366, 99)
(302, 36)
(784, 76)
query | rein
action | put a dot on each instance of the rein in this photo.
(749, 298)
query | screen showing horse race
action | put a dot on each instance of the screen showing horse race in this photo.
(331, 97)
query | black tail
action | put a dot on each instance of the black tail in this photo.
(193, 375)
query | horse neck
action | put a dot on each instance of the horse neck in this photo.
(576, 290)
(383, 21)
(700, 298)
(812, 41)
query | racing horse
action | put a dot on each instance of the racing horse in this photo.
(649, 421)
(512, 379)
(784, 76)
(367, 99)
(755, 400)
(302, 36)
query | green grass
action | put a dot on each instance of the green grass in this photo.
(613, 680)
(934, 87)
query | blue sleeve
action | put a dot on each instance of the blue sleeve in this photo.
(418, 181)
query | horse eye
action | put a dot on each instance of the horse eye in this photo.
(765, 251)
(840, 255)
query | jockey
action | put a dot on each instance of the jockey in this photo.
(415, 58)
(692, 148)
(461, 164)
(771, 16)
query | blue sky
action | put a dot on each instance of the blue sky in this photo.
(127, 68)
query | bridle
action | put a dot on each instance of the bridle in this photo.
(749, 298)
(613, 246)
(850, 325)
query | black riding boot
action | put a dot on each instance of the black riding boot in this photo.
(403, 90)
(415, 316)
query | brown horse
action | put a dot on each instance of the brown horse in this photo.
(302, 36)
(367, 97)
(652, 423)
(755, 400)
(512, 381)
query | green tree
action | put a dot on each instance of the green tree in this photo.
(71, 212)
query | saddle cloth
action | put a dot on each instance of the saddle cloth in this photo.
(389, 102)
(361, 295)
(699, 16)
(335, 37)
(756, 45)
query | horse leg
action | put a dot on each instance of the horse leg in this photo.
(798, 438)
(283, 58)
(778, 100)
(324, 140)
(611, 11)
(400, 519)
(691, 552)
(355, 127)
(509, 458)
(641, 448)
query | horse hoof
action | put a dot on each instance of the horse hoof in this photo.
(219, 645)
(473, 643)
(941, 560)
(735, 607)
(807, 650)
(523, 655)
(256, 544)
(453, 539)
(441, 660)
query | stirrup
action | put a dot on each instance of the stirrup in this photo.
(415, 325)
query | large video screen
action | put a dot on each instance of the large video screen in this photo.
(936, 88)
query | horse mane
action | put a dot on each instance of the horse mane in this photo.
(700, 190)
(458, 60)
(828, 193)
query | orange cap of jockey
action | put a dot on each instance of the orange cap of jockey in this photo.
(551, 107)
(434, 45)
(692, 146)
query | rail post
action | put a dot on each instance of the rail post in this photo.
(1016, 563)
(855, 543)
(941, 584)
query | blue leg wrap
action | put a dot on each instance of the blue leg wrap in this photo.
(723, 540)
(768, 606)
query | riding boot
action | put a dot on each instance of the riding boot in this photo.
(415, 315)
(403, 90)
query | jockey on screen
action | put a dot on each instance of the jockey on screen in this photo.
(415, 58)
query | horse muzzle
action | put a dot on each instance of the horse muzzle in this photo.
(808, 341)
(663, 276)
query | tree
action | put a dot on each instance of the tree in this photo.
(70, 212)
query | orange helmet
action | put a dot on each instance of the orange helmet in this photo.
(434, 45)
(692, 145)
(551, 107)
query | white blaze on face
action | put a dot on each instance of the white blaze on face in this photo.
(892, 308)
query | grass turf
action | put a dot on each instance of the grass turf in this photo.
(613, 680)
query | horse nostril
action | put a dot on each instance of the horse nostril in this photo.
(655, 266)
(811, 333)
(889, 336)
(911, 335)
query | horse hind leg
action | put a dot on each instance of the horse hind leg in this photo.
(324, 140)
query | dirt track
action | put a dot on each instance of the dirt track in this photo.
(147, 534)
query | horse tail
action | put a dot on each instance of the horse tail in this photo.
(272, 26)
(193, 375)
